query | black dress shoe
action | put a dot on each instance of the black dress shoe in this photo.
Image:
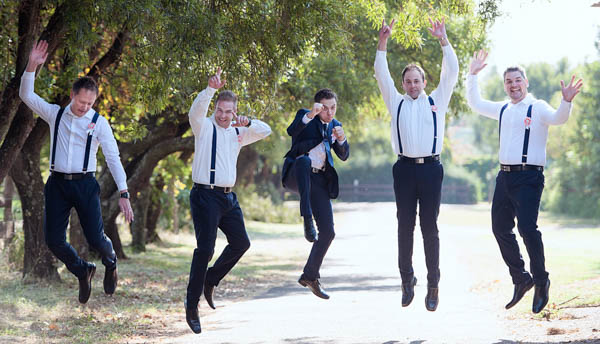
(314, 286)
(110, 280)
(431, 300)
(540, 297)
(208, 294)
(192, 318)
(520, 290)
(408, 292)
(310, 233)
(85, 283)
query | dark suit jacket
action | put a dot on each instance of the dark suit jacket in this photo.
(306, 137)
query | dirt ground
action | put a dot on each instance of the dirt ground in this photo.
(360, 273)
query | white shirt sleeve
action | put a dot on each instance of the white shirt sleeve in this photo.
(448, 78)
(38, 105)
(483, 107)
(306, 119)
(111, 153)
(553, 117)
(258, 130)
(385, 81)
(200, 108)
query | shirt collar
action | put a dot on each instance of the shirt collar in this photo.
(409, 98)
(89, 114)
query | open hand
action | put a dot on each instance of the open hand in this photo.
(478, 62)
(125, 207)
(38, 55)
(438, 28)
(569, 92)
(215, 80)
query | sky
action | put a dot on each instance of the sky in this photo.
(544, 31)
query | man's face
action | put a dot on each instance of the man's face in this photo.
(329, 107)
(515, 86)
(413, 84)
(82, 101)
(224, 113)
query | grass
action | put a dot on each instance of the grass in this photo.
(152, 284)
(150, 295)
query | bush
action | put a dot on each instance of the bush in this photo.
(461, 186)
(259, 206)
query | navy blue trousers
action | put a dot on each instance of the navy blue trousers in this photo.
(420, 183)
(60, 196)
(518, 194)
(212, 209)
(314, 199)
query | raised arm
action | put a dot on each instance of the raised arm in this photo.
(449, 72)
(483, 107)
(200, 106)
(37, 57)
(302, 118)
(561, 115)
(382, 72)
(251, 130)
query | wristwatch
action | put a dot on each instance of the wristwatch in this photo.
(125, 195)
(249, 122)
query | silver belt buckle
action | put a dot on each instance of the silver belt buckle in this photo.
(68, 176)
(227, 189)
(316, 170)
(505, 168)
(419, 160)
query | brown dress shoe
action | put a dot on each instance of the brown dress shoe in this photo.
(110, 280)
(208, 294)
(314, 286)
(85, 283)
(408, 292)
(192, 318)
(431, 300)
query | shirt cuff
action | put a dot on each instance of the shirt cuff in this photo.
(342, 142)
(381, 53)
(28, 75)
(122, 186)
(211, 91)
(305, 119)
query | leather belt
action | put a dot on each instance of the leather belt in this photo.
(72, 176)
(518, 168)
(226, 189)
(424, 160)
(317, 170)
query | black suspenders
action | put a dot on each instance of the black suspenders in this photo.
(527, 130)
(434, 126)
(88, 144)
(213, 154)
(56, 123)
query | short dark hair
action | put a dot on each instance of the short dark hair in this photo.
(87, 83)
(325, 93)
(227, 96)
(515, 69)
(412, 66)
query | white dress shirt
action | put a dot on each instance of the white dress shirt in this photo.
(228, 142)
(512, 133)
(318, 155)
(72, 135)
(416, 119)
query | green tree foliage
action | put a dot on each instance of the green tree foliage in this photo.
(575, 187)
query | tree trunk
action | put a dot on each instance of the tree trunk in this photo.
(175, 208)
(154, 210)
(7, 226)
(112, 231)
(76, 237)
(38, 260)
(246, 166)
(141, 203)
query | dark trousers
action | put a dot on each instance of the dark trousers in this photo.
(315, 188)
(60, 196)
(420, 183)
(518, 194)
(298, 180)
(212, 209)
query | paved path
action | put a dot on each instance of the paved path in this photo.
(360, 273)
